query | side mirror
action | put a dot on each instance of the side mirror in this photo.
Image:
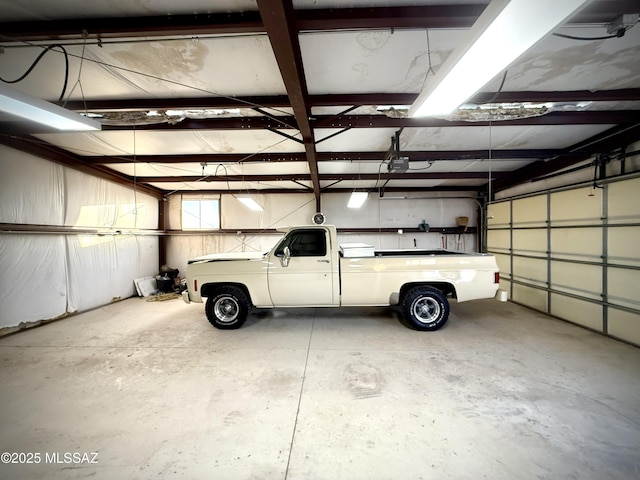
(285, 258)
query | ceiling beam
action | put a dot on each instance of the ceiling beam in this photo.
(552, 118)
(330, 100)
(414, 156)
(271, 191)
(438, 16)
(322, 177)
(119, 27)
(184, 103)
(38, 148)
(595, 117)
(418, 17)
(278, 17)
(619, 95)
(616, 137)
(430, 16)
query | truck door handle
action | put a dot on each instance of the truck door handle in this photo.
(324, 261)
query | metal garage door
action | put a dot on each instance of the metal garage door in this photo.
(573, 253)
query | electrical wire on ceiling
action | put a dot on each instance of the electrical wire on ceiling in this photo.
(158, 78)
(491, 100)
(135, 182)
(101, 42)
(78, 83)
(429, 165)
(619, 34)
(35, 63)
(572, 37)
(429, 65)
(239, 162)
(205, 177)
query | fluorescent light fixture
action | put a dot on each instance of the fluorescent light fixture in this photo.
(503, 32)
(250, 203)
(16, 103)
(357, 199)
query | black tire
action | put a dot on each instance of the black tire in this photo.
(425, 308)
(227, 308)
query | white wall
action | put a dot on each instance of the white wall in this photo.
(397, 211)
(47, 275)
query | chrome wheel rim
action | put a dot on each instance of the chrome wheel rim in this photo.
(226, 309)
(426, 309)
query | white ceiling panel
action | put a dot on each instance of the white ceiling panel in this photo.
(373, 61)
(440, 166)
(503, 137)
(143, 169)
(556, 64)
(221, 186)
(167, 68)
(173, 142)
(343, 168)
(354, 140)
(31, 10)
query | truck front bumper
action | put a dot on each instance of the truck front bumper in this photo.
(185, 297)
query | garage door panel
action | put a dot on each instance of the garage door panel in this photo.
(504, 264)
(624, 245)
(582, 206)
(531, 241)
(624, 325)
(577, 243)
(531, 297)
(498, 240)
(621, 204)
(530, 211)
(499, 214)
(578, 279)
(582, 312)
(624, 287)
(530, 270)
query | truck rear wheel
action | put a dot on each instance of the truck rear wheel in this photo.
(425, 308)
(227, 308)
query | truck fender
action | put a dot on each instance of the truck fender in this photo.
(208, 288)
(445, 287)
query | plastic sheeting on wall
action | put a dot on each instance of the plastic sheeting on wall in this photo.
(32, 189)
(101, 269)
(95, 203)
(47, 275)
(33, 284)
(35, 191)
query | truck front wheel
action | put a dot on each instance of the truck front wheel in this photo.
(227, 308)
(425, 308)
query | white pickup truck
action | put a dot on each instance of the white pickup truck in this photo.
(307, 268)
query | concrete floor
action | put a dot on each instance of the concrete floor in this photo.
(501, 392)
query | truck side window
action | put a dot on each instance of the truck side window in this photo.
(305, 243)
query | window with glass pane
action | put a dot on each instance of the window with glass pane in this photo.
(200, 214)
